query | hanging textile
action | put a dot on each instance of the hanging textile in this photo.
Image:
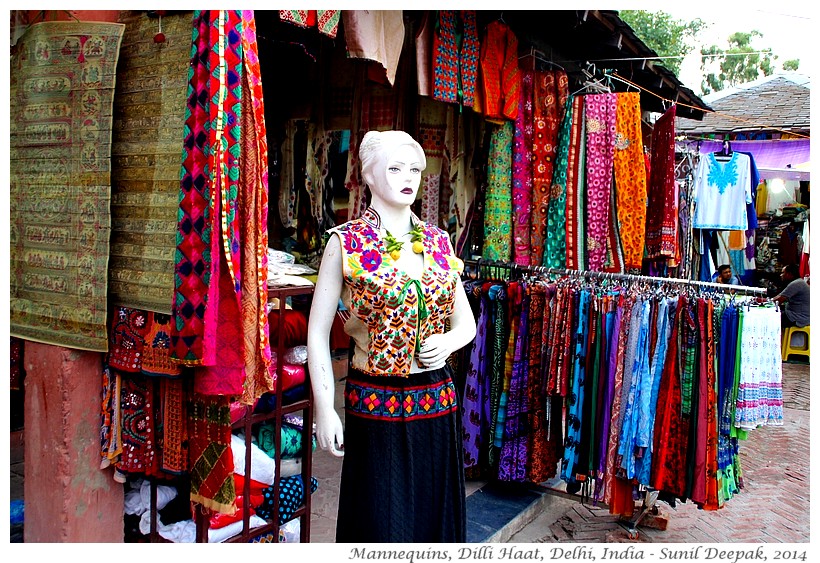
(326, 21)
(630, 178)
(661, 218)
(555, 244)
(576, 193)
(549, 96)
(500, 76)
(599, 113)
(455, 57)
(62, 82)
(211, 460)
(655, 393)
(375, 35)
(432, 132)
(221, 285)
(498, 206)
(760, 391)
(522, 175)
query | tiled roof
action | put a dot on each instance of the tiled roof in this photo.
(775, 104)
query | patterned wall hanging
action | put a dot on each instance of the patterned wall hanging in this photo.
(62, 91)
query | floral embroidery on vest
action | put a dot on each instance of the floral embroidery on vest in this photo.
(387, 300)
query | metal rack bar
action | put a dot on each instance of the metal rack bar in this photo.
(513, 268)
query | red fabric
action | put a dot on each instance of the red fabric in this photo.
(294, 328)
(292, 375)
(256, 487)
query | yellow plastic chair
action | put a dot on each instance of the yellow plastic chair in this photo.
(787, 347)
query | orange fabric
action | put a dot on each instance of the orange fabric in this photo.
(500, 75)
(630, 178)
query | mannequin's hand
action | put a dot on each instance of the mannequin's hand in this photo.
(329, 432)
(435, 350)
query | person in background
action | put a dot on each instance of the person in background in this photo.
(794, 299)
(724, 275)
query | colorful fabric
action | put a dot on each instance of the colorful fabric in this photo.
(475, 404)
(156, 354)
(522, 174)
(599, 113)
(576, 178)
(129, 328)
(575, 400)
(138, 426)
(63, 76)
(173, 425)
(498, 200)
(211, 460)
(547, 116)
(110, 436)
(555, 243)
(630, 178)
(455, 57)
(326, 21)
(515, 452)
(661, 218)
(384, 402)
(760, 389)
(291, 498)
(384, 345)
(195, 219)
(500, 75)
(145, 189)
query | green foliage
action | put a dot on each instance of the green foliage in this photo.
(791, 64)
(740, 62)
(667, 36)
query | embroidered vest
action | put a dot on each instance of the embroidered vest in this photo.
(392, 313)
(456, 50)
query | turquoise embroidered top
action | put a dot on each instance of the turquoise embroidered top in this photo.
(392, 313)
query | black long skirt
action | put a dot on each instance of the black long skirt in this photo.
(403, 473)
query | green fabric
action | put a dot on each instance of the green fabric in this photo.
(555, 245)
(498, 205)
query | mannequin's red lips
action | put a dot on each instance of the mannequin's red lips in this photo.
(407, 191)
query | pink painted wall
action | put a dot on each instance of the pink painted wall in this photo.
(68, 498)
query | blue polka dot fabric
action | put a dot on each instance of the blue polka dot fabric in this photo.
(291, 497)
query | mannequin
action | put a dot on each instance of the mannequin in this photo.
(402, 475)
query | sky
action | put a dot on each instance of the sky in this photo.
(785, 25)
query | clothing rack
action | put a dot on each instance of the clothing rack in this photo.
(515, 268)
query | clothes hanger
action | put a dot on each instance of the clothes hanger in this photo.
(725, 151)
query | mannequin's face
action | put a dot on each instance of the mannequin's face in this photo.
(397, 177)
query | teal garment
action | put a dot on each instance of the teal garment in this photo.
(555, 245)
(291, 440)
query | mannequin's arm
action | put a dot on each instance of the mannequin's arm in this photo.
(329, 431)
(437, 347)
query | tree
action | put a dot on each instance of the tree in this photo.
(741, 62)
(791, 64)
(667, 36)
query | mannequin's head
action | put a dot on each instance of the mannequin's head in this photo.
(392, 162)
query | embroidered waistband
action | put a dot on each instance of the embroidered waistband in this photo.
(400, 403)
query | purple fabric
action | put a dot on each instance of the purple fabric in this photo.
(512, 463)
(600, 150)
(522, 174)
(476, 388)
(767, 154)
(609, 390)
